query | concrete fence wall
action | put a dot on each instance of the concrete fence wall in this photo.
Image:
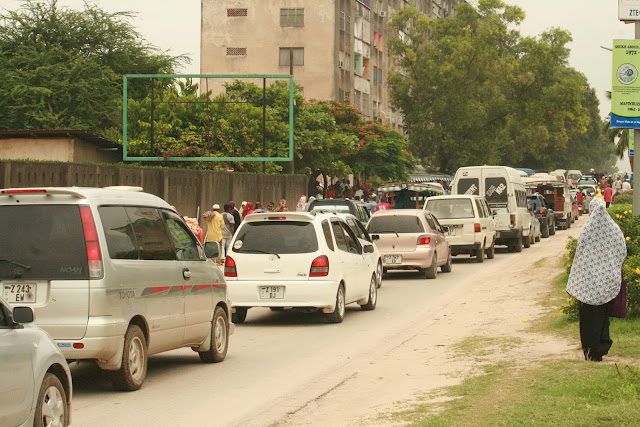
(187, 190)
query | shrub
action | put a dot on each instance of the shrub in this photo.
(623, 198)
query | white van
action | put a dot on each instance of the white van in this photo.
(505, 194)
(113, 276)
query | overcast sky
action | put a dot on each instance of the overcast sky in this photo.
(593, 23)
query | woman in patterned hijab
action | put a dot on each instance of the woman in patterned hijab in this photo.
(595, 278)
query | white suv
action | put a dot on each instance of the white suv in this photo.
(471, 228)
(302, 261)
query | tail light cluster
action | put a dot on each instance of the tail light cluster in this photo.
(512, 218)
(424, 240)
(543, 212)
(230, 267)
(476, 228)
(94, 256)
(319, 267)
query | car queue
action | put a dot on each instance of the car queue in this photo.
(116, 275)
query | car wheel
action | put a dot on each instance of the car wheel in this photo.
(373, 295)
(491, 253)
(133, 371)
(449, 265)
(526, 241)
(479, 255)
(545, 231)
(51, 408)
(518, 246)
(432, 272)
(552, 229)
(337, 315)
(219, 338)
(537, 238)
(569, 222)
(379, 273)
(240, 315)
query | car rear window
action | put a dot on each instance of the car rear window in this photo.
(276, 237)
(395, 224)
(329, 208)
(495, 190)
(451, 208)
(469, 186)
(42, 242)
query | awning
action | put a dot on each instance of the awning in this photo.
(432, 178)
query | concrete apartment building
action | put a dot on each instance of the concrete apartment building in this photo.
(338, 46)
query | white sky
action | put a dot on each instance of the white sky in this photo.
(592, 23)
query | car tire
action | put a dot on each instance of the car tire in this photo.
(449, 265)
(526, 241)
(240, 315)
(219, 338)
(569, 222)
(552, 229)
(536, 239)
(373, 295)
(53, 397)
(379, 273)
(518, 245)
(479, 255)
(432, 272)
(545, 231)
(491, 253)
(133, 370)
(337, 315)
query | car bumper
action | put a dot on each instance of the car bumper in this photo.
(102, 340)
(420, 258)
(304, 293)
(466, 248)
(508, 234)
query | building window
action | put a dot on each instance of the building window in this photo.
(236, 12)
(342, 21)
(343, 95)
(357, 64)
(348, 24)
(292, 17)
(298, 56)
(236, 51)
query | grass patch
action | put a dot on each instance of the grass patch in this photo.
(540, 263)
(479, 346)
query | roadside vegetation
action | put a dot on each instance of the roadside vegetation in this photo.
(569, 392)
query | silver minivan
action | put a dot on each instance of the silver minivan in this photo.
(113, 275)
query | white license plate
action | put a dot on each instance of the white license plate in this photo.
(451, 232)
(393, 259)
(271, 292)
(24, 292)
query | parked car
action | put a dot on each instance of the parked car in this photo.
(505, 193)
(544, 213)
(354, 207)
(35, 385)
(302, 261)
(534, 235)
(359, 230)
(113, 276)
(471, 227)
(411, 239)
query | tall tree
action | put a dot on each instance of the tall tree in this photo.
(62, 68)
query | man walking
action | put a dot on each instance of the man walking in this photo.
(608, 195)
(215, 224)
(227, 231)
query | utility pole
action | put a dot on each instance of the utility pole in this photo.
(291, 164)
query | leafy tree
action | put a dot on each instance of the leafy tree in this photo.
(62, 68)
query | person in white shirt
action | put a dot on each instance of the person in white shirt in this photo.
(626, 186)
(617, 186)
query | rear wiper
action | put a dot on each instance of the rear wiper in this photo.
(384, 231)
(26, 267)
(259, 251)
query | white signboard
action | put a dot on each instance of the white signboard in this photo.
(629, 10)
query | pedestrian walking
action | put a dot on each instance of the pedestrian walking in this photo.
(282, 206)
(383, 205)
(237, 218)
(215, 224)
(595, 278)
(248, 210)
(302, 204)
(608, 195)
(626, 186)
(227, 231)
(271, 206)
(598, 194)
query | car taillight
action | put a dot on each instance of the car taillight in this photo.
(94, 256)
(424, 240)
(319, 267)
(20, 191)
(560, 215)
(476, 228)
(513, 220)
(230, 267)
(543, 212)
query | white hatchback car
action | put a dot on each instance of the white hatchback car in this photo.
(35, 383)
(373, 258)
(299, 261)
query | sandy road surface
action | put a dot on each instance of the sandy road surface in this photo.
(293, 369)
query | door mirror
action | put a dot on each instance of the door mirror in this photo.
(212, 249)
(23, 315)
(375, 237)
(445, 228)
(368, 249)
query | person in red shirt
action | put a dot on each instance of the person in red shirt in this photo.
(332, 193)
(383, 205)
(608, 195)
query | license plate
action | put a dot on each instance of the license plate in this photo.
(271, 292)
(19, 292)
(393, 259)
(451, 232)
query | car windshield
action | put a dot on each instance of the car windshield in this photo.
(533, 203)
(395, 224)
(42, 242)
(451, 208)
(276, 237)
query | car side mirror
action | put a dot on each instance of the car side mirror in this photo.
(23, 315)
(212, 249)
(368, 249)
(445, 228)
(375, 237)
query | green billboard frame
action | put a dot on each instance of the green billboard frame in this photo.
(126, 77)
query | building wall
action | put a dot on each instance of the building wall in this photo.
(84, 151)
(55, 149)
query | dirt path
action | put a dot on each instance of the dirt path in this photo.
(496, 309)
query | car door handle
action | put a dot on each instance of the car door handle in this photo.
(272, 270)
(186, 273)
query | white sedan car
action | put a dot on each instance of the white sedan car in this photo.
(35, 382)
(298, 260)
